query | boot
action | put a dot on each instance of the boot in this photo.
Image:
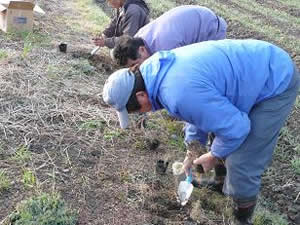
(216, 183)
(243, 212)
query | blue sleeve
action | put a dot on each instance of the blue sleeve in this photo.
(193, 133)
(209, 111)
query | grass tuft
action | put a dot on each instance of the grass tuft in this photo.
(296, 165)
(22, 154)
(46, 209)
(112, 134)
(32, 40)
(4, 181)
(264, 217)
(92, 124)
(3, 54)
(29, 178)
(84, 67)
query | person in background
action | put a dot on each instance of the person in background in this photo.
(241, 90)
(170, 30)
(131, 16)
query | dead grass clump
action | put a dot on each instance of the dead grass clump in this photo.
(214, 206)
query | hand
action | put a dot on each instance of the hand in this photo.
(207, 160)
(99, 41)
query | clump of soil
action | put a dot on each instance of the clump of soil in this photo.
(102, 63)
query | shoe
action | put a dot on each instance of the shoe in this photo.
(243, 212)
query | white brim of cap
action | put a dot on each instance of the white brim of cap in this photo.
(123, 118)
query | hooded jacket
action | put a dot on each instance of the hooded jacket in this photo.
(133, 15)
(215, 84)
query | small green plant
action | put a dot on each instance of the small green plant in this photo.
(22, 154)
(296, 164)
(264, 217)
(173, 127)
(152, 125)
(110, 134)
(31, 40)
(92, 124)
(3, 54)
(27, 48)
(29, 178)
(45, 209)
(4, 181)
(139, 145)
(177, 143)
(83, 67)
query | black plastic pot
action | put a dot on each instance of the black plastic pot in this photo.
(161, 166)
(63, 47)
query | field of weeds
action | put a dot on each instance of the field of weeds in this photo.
(61, 147)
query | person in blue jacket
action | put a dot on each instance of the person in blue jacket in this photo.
(241, 90)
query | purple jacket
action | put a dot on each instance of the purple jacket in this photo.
(182, 26)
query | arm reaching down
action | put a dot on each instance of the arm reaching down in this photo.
(209, 111)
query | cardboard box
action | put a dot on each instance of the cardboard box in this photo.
(17, 15)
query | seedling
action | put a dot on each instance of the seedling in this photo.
(29, 178)
(22, 154)
(92, 124)
(83, 67)
(296, 164)
(3, 54)
(177, 143)
(4, 181)
(110, 134)
(30, 41)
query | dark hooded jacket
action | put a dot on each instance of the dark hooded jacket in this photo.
(129, 19)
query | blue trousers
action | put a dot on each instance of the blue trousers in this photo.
(246, 165)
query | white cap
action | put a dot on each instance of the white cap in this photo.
(116, 92)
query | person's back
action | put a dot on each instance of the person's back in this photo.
(234, 68)
(182, 26)
(214, 85)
